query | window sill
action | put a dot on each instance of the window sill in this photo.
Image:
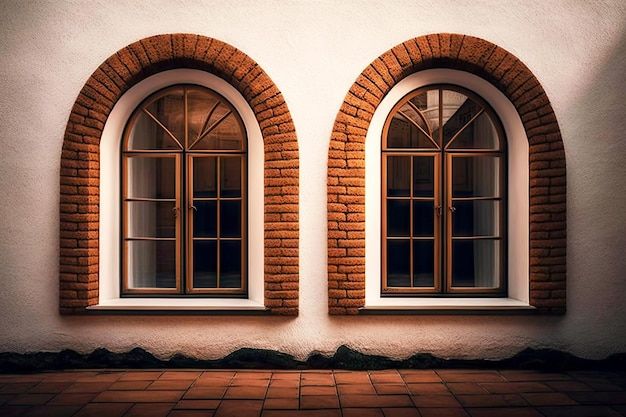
(447, 306)
(178, 306)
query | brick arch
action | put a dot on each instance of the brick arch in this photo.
(346, 162)
(80, 161)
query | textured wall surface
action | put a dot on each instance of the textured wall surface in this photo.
(314, 52)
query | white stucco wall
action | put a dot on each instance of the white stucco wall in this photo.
(314, 51)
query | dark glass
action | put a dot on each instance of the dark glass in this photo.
(230, 176)
(398, 263)
(230, 218)
(475, 176)
(423, 218)
(403, 134)
(151, 263)
(423, 176)
(481, 134)
(151, 219)
(199, 106)
(398, 218)
(170, 111)
(227, 134)
(423, 263)
(458, 110)
(476, 218)
(146, 134)
(204, 177)
(151, 177)
(398, 176)
(205, 219)
(230, 264)
(475, 263)
(205, 264)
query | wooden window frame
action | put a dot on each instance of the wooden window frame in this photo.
(184, 202)
(443, 201)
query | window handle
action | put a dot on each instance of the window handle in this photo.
(452, 209)
(438, 208)
(175, 210)
(194, 208)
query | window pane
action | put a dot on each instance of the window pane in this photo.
(204, 177)
(151, 263)
(476, 218)
(150, 177)
(457, 111)
(230, 264)
(205, 219)
(428, 104)
(146, 134)
(403, 133)
(481, 134)
(423, 176)
(151, 219)
(169, 110)
(398, 176)
(199, 106)
(398, 263)
(205, 264)
(226, 131)
(475, 176)
(230, 218)
(398, 218)
(423, 263)
(423, 218)
(230, 176)
(475, 263)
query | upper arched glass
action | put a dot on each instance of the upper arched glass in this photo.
(185, 117)
(443, 117)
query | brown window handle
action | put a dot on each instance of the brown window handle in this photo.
(192, 207)
(438, 208)
(175, 210)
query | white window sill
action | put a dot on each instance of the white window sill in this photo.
(434, 305)
(178, 304)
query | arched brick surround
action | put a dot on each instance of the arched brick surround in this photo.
(80, 161)
(346, 163)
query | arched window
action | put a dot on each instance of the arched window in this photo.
(443, 195)
(184, 195)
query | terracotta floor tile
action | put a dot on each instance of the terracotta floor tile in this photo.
(466, 388)
(250, 393)
(302, 413)
(170, 384)
(504, 412)
(281, 404)
(456, 376)
(197, 404)
(352, 378)
(515, 387)
(53, 411)
(386, 378)
(49, 387)
(284, 383)
(211, 382)
(279, 392)
(140, 376)
(81, 387)
(17, 387)
(435, 400)
(101, 377)
(376, 401)
(318, 390)
(138, 396)
(521, 376)
(73, 398)
(239, 408)
(169, 375)
(129, 385)
(288, 376)
(103, 410)
(387, 389)
(579, 411)
(318, 401)
(253, 374)
(401, 412)
(419, 375)
(362, 412)
(356, 389)
(241, 382)
(218, 374)
(30, 399)
(190, 413)
(427, 388)
(202, 393)
(315, 379)
(548, 399)
(444, 412)
(149, 410)
(492, 400)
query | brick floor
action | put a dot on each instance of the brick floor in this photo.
(314, 393)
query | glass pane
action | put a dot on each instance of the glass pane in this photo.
(225, 133)
(150, 177)
(457, 111)
(230, 218)
(475, 176)
(204, 177)
(151, 219)
(398, 176)
(146, 134)
(428, 104)
(205, 264)
(423, 176)
(404, 134)
(481, 134)
(151, 263)
(230, 176)
(476, 218)
(423, 218)
(475, 263)
(230, 264)
(398, 218)
(398, 263)
(423, 263)
(170, 111)
(205, 219)
(200, 102)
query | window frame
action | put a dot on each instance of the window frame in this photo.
(443, 201)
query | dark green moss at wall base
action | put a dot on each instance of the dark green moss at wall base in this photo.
(343, 358)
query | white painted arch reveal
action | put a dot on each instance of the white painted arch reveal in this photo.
(109, 249)
(518, 196)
